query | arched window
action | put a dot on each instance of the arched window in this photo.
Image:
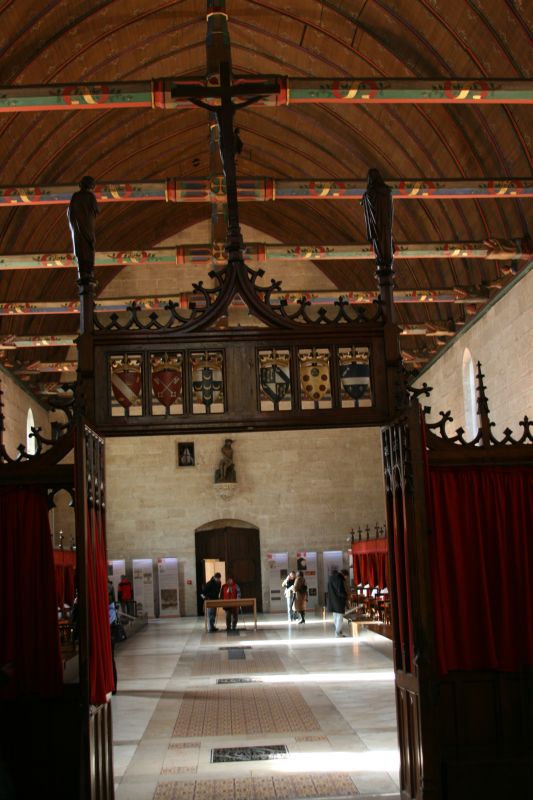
(469, 395)
(31, 442)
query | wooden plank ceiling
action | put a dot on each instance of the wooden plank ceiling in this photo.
(112, 40)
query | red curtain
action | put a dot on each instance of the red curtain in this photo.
(28, 614)
(100, 659)
(370, 562)
(65, 567)
(481, 553)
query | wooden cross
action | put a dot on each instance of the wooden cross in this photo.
(221, 91)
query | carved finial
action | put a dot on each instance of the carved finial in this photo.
(483, 406)
(376, 528)
(359, 532)
(367, 531)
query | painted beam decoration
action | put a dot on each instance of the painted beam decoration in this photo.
(467, 295)
(176, 93)
(213, 190)
(13, 342)
(490, 249)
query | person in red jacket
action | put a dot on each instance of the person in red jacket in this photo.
(125, 594)
(231, 591)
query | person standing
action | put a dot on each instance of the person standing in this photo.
(211, 591)
(289, 595)
(125, 594)
(299, 589)
(337, 599)
(113, 624)
(231, 591)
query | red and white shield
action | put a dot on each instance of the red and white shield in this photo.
(126, 384)
(166, 384)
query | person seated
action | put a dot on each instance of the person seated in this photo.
(231, 591)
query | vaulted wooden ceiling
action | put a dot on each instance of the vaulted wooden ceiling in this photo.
(119, 40)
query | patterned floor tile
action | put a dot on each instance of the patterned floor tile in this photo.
(243, 709)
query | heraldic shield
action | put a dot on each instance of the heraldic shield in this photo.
(207, 380)
(355, 380)
(314, 377)
(126, 380)
(167, 379)
(274, 376)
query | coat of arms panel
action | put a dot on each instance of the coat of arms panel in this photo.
(207, 377)
(354, 371)
(275, 380)
(167, 383)
(126, 385)
(315, 382)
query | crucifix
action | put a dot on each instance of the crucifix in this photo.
(222, 92)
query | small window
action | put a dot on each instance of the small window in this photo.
(469, 395)
(31, 441)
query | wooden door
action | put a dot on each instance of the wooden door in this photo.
(411, 608)
(239, 549)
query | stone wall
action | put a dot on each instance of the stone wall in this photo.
(304, 490)
(502, 340)
(16, 404)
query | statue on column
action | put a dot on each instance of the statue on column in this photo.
(81, 214)
(226, 468)
(377, 205)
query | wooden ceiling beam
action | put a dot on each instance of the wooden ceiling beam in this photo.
(261, 189)
(469, 295)
(13, 342)
(206, 254)
(279, 90)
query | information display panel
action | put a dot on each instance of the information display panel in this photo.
(143, 585)
(169, 599)
(278, 566)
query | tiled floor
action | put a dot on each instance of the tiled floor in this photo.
(329, 700)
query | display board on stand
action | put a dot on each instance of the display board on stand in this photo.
(306, 561)
(278, 567)
(143, 585)
(169, 601)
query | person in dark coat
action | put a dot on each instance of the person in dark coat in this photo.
(337, 599)
(299, 589)
(211, 591)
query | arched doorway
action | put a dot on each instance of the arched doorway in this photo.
(237, 544)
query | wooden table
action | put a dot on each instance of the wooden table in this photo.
(242, 601)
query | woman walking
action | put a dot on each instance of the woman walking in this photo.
(299, 588)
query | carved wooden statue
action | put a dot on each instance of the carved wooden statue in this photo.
(81, 215)
(226, 468)
(377, 205)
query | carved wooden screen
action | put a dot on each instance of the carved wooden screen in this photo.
(411, 609)
(96, 755)
(241, 380)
